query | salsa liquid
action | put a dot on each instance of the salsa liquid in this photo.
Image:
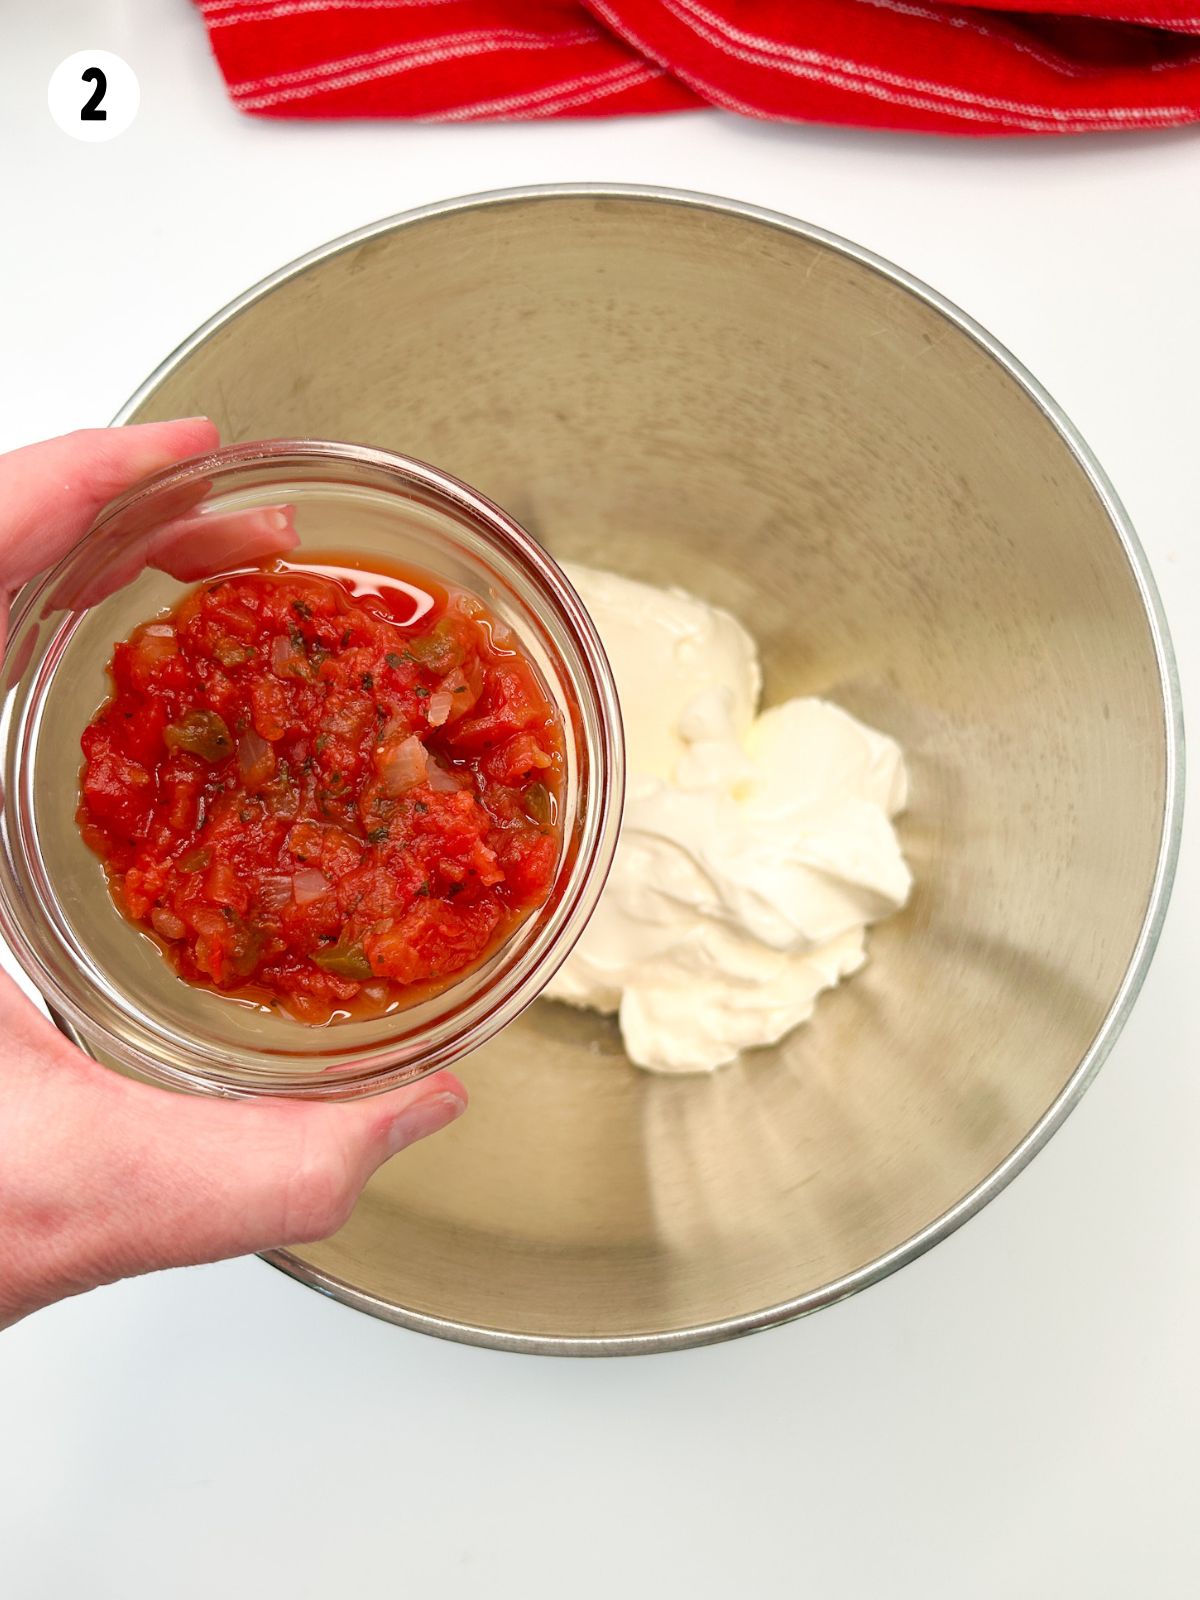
(322, 788)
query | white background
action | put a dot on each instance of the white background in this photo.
(1014, 1415)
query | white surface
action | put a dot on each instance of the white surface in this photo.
(1014, 1415)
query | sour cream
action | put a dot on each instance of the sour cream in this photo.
(756, 848)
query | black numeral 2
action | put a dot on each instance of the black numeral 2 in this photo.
(93, 111)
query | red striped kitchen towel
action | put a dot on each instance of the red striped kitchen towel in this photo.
(1012, 66)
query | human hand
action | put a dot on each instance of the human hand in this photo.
(102, 1177)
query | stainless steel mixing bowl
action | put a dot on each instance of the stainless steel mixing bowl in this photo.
(692, 391)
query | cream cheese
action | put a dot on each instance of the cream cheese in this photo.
(755, 849)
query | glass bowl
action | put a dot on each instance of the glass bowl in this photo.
(211, 514)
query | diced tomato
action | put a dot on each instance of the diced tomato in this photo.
(328, 792)
(523, 755)
(137, 727)
(527, 860)
(269, 707)
(429, 939)
(511, 702)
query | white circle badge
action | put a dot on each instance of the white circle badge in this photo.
(93, 95)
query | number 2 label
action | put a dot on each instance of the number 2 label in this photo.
(93, 111)
(93, 95)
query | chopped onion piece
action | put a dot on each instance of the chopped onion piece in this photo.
(286, 660)
(440, 706)
(440, 780)
(402, 766)
(256, 759)
(167, 923)
(309, 885)
(275, 891)
(208, 923)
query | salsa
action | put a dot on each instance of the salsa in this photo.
(323, 789)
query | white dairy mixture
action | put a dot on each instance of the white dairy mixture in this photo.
(754, 851)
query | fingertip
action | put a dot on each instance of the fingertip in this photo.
(52, 491)
(450, 1083)
(170, 441)
(101, 463)
(441, 1103)
(419, 1121)
(286, 535)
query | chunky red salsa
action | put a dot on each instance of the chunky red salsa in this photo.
(324, 790)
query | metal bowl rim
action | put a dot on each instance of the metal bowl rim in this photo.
(1172, 821)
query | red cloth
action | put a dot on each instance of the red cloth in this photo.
(1014, 66)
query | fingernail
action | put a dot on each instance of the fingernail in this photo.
(426, 1117)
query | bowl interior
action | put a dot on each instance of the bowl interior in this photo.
(689, 395)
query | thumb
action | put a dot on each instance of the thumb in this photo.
(51, 491)
(218, 1178)
(102, 1177)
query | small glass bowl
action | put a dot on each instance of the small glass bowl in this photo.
(215, 513)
